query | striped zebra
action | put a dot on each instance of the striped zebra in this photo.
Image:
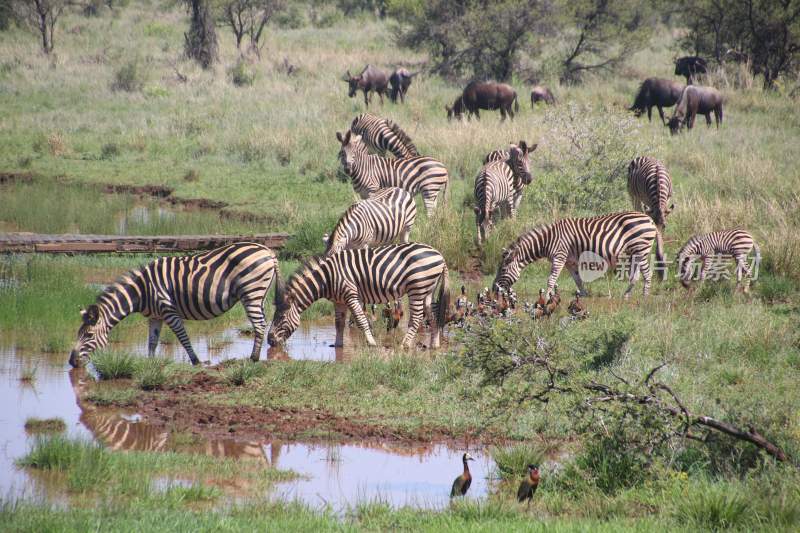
(382, 135)
(650, 190)
(351, 278)
(501, 182)
(563, 242)
(171, 289)
(736, 243)
(387, 214)
(369, 173)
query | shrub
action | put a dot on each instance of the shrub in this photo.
(239, 372)
(241, 75)
(151, 373)
(130, 77)
(114, 365)
(713, 506)
(109, 151)
(512, 462)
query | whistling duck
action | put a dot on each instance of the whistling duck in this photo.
(577, 308)
(462, 482)
(529, 485)
(541, 302)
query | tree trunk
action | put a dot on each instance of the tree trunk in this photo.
(201, 40)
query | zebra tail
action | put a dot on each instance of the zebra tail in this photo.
(444, 299)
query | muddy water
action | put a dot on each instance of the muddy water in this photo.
(50, 395)
(332, 474)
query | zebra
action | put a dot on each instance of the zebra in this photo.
(382, 135)
(171, 289)
(650, 190)
(365, 275)
(564, 241)
(501, 182)
(369, 173)
(736, 243)
(387, 214)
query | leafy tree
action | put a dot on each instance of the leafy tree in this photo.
(480, 38)
(599, 34)
(763, 33)
(249, 18)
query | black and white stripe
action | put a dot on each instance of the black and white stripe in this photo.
(650, 190)
(369, 173)
(381, 135)
(174, 289)
(386, 215)
(562, 242)
(736, 243)
(352, 278)
(500, 182)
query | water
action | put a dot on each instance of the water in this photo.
(339, 475)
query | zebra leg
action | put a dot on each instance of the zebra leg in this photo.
(254, 308)
(634, 275)
(555, 271)
(175, 323)
(405, 235)
(743, 271)
(354, 304)
(660, 260)
(573, 270)
(152, 337)
(416, 310)
(340, 313)
(431, 317)
(429, 199)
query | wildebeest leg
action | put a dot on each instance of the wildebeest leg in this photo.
(152, 338)
(650, 113)
(661, 114)
(718, 115)
(380, 95)
(690, 120)
(510, 111)
(502, 114)
(573, 271)
(366, 97)
(708, 119)
(477, 114)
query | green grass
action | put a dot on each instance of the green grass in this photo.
(45, 425)
(115, 365)
(119, 397)
(152, 373)
(240, 372)
(512, 461)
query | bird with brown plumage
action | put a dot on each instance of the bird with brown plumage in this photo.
(462, 482)
(529, 485)
(577, 308)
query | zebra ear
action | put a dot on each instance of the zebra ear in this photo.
(523, 146)
(532, 147)
(339, 137)
(91, 315)
(346, 139)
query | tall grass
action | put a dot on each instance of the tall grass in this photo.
(115, 365)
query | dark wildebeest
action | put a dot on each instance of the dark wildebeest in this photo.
(370, 79)
(400, 80)
(540, 93)
(696, 100)
(656, 92)
(689, 67)
(487, 95)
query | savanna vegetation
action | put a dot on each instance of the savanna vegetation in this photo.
(115, 102)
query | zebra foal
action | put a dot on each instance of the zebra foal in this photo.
(381, 135)
(563, 242)
(736, 243)
(383, 217)
(650, 190)
(174, 289)
(352, 278)
(369, 173)
(500, 182)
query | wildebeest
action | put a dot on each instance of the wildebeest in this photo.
(487, 95)
(656, 92)
(400, 80)
(371, 79)
(689, 67)
(696, 100)
(540, 93)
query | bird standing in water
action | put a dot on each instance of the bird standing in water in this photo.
(529, 485)
(462, 482)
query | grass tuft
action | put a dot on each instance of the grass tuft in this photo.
(114, 365)
(240, 372)
(512, 461)
(151, 373)
(45, 425)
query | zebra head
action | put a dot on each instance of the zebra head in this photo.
(352, 148)
(519, 161)
(509, 270)
(287, 315)
(685, 261)
(92, 334)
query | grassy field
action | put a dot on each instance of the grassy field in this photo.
(267, 152)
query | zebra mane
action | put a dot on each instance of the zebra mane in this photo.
(403, 136)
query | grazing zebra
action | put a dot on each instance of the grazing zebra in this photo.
(194, 287)
(650, 189)
(365, 275)
(369, 173)
(563, 242)
(383, 217)
(501, 182)
(382, 135)
(736, 243)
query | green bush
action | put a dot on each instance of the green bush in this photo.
(151, 373)
(712, 507)
(130, 77)
(512, 461)
(239, 372)
(114, 365)
(241, 75)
